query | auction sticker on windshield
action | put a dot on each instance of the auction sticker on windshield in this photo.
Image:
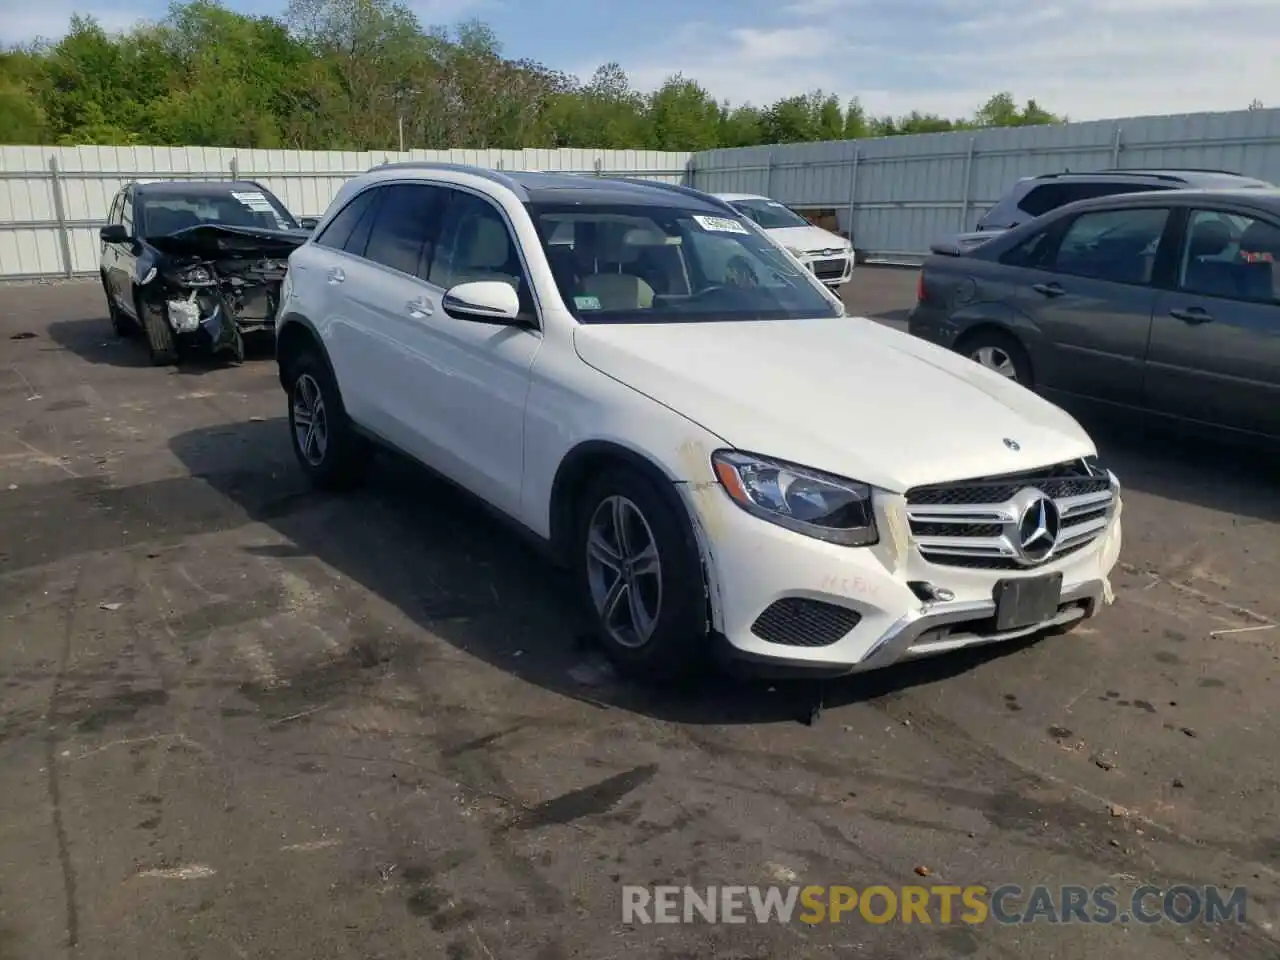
(255, 202)
(719, 224)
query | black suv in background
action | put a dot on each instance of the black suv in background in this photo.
(1032, 197)
(1165, 303)
(189, 263)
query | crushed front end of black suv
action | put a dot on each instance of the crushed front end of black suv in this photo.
(214, 284)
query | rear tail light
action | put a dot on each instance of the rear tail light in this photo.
(920, 288)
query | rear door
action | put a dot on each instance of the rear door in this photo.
(1090, 295)
(126, 254)
(1215, 336)
(324, 273)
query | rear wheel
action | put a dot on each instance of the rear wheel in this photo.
(640, 576)
(999, 352)
(325, 441)
(120, 323)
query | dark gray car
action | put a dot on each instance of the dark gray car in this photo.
(1165, 303)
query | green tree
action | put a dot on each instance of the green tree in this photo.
(355, 74)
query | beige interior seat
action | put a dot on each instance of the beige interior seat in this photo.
(483, 253)
(614, 285)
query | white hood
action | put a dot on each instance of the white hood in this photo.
(845, 395)
(808, 238)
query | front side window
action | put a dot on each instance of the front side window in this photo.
(770, 214)
(476, 245)
(659, 264)
(1114, 245)
(404, 228)
(1230, 255)
(166, 213)
(126, 213)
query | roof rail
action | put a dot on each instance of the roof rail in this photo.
(1228, 173)
(681, 189)
(497, 176)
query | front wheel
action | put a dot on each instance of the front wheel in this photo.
(161, 342)
(639, 571)
(325, 442)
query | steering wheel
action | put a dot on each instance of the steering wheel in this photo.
(738, 272)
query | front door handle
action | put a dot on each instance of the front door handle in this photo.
(419, 308)
(1048, 289)
(1192, 315)
(336, 275)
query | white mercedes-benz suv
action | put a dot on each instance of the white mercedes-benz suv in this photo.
(681, 413)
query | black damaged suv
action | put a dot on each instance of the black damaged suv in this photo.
(193, 263)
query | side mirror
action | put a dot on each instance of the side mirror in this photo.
(309, 223)
(114, 233)
(483, 301)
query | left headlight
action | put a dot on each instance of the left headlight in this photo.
(807, 501)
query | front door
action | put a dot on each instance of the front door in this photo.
(1215, 338)
(456, 389)
(1092, 302)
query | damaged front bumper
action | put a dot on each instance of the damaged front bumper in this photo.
(216, 284)
(217, 305)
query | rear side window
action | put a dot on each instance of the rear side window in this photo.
(1113, 245)
(405, 228)
(341, 231)
(1032, 252)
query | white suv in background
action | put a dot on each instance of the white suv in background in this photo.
(829, 255)
(687, 419)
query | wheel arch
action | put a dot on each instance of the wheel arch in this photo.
(296, 333)
(579, 465)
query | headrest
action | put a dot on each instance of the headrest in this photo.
(1210, 238)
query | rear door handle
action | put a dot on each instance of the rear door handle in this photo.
(419, 308)
(1048, 289)
(1191, 315)
(336, 275)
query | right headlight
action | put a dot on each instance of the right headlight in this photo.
(808, 501)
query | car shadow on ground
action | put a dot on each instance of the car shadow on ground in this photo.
(426, 548)
(93, 340)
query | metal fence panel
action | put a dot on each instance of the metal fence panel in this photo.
(897, 194)
(54, 199)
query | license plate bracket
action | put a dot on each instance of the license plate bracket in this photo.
(1025, 601)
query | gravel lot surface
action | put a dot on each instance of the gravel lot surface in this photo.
(243, 720)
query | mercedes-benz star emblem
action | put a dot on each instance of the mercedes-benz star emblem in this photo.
(1012, 444)
(1038, 529)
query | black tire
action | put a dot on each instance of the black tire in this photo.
(338, 460)
(677, 649)
(1002, 343)
(120, 323)
(160, 338)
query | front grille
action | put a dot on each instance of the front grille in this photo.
(828, 269)
(976, 523)
(800, 622)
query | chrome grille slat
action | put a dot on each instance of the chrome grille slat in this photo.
(974, 523)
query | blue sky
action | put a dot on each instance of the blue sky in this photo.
(1086, 58)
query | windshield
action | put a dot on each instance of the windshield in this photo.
(651, 264)
(163, 214)
(770, 214)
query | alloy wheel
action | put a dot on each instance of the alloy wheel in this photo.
(994, 358)
(310, 422)
(624, 571)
